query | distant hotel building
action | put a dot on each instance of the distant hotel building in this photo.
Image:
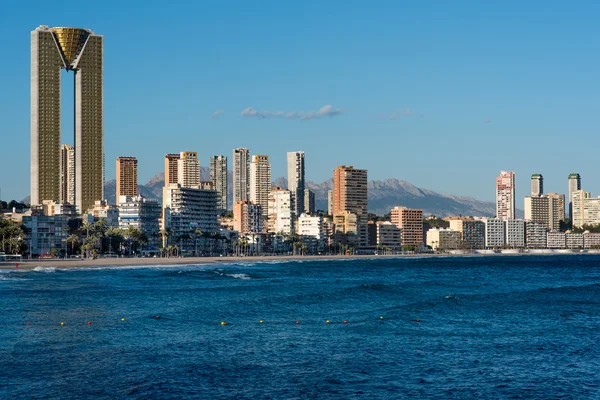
(410, 221)
(295, 169)
(537, 185)
(127, 173)
(188, 169)
(574, 185)
(309, 202)
(494, 233)
(171, 169)
(472, 232)
(586, 209)
(505, 195)
(330, 202)
(548, 209)
(67, 174)
(141, 213)
(350, 196)
(241, 175)
(247, 217)
(218, 176)
(443, 239)
(260, 182)
(187, 209)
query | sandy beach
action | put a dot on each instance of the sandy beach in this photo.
(102, 262)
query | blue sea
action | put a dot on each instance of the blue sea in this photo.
(429, 328)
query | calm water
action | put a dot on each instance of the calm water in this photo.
(490, 327)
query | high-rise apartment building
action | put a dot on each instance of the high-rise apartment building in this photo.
(472, 231)
(295, 168)
(586, 209)
(79, 51)
(350, 196)
(127, 182)
(67, 174)
(218, 176)
(410, 221)
(505, 195)
(281, 216)
(171, 169)
(241, 174)
(330, 202)
(247, 217)
(537, 185)
(309, 202)
(574, 185)
(546, 209)
(260, 182)
(188, 169)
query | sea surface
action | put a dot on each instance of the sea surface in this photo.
(446, 328)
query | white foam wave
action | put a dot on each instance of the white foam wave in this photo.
(47, 270)
(238, 276)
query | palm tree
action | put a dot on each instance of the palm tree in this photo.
(73, 240)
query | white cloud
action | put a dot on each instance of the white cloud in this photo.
(325, 111)
(217, 113)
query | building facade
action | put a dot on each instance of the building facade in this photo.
(241, 174)
(410, 221)
(127, 172)
(547, 209)
(296, 182)
(494, 233)
(556, 240)
(188, 169)
(141, 213)
(514, 229)
(247, 218)
(67, 174)
(260, 182)
(574, 185)
(309, 202)
(535, 235)
(171, 168)
(280, 213)
(44, 233)
(537, 185)
(218, 176)
(350, 196)
(443, 239)
(79, 51)
(388, 236)
(108, 212)
(472, 232)
(505, 195)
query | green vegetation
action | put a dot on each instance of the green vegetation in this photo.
(11, 237)
(590, 228)
(12, 204)
(435, 222)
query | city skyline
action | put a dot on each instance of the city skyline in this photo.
(391, 102)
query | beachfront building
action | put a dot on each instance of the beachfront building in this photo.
(280, 213)
(410, 223)
(80, 51)
(547, 209)
(535, 235)
(574, 240)
(188, 211)
(472, 232)
(43, 233)
(260, 182)
(311, 230)
(586, 209)
(296, 180)
(591, 240)
(556, 240)
(141, 213)
(127, 177)
(514, 229)
(241, 174)
(494, 233)
(50, 208)
(387, 236)
(350, 196)
(505, 195)
(441, 239)
(346, 228)
(218, 177)
(309, 202)
(67, 174)
(108, 212)
(247, 217)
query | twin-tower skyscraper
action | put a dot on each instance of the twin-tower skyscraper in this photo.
(79, 51)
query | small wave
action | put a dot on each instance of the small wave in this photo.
(238, 276)
(48, 270)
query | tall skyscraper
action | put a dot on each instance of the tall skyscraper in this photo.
(295, 166)
(309, 202)
(537, 185)
(574, 185)
(505, 195)
(350, 196)
(67, 174)
(171, 169)
(80, 51)
(188, 169)
(218, 176)
(241, 175)
(260, 182)
(127, 182)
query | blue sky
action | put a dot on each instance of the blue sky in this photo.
(441, 94)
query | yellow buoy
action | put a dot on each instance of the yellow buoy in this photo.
(223, 323)
(62, 323)
(261, 321)
(327, 321)
(380, 317)
(122, 319)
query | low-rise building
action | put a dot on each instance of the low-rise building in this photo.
(472, 231)
(591, 240)
(494, 233)
(141, 213)
(108, 212)
(535, 235)
(388, 235)
(443, 239)
(43, 233)
(556, 240)
(247, 217)
(280, 215)
(574, 240)
(515, 233)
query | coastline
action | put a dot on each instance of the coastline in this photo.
(28, 265)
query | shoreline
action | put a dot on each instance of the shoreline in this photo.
(28, 265)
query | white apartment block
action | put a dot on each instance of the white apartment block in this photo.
(108, 212)
(187, 209)
(494, 233)
(473, 232)
(548, 209)
(536, 235)
(591, 240)
(241, 175)
(586, 209)
(574, 240)
(505, 195)
(141, 213)
(388, 235)
(515, 233)
(443, 239)
(218, 177)
(556, 240)
(312, 227)
(280, 211)
(295, 169)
